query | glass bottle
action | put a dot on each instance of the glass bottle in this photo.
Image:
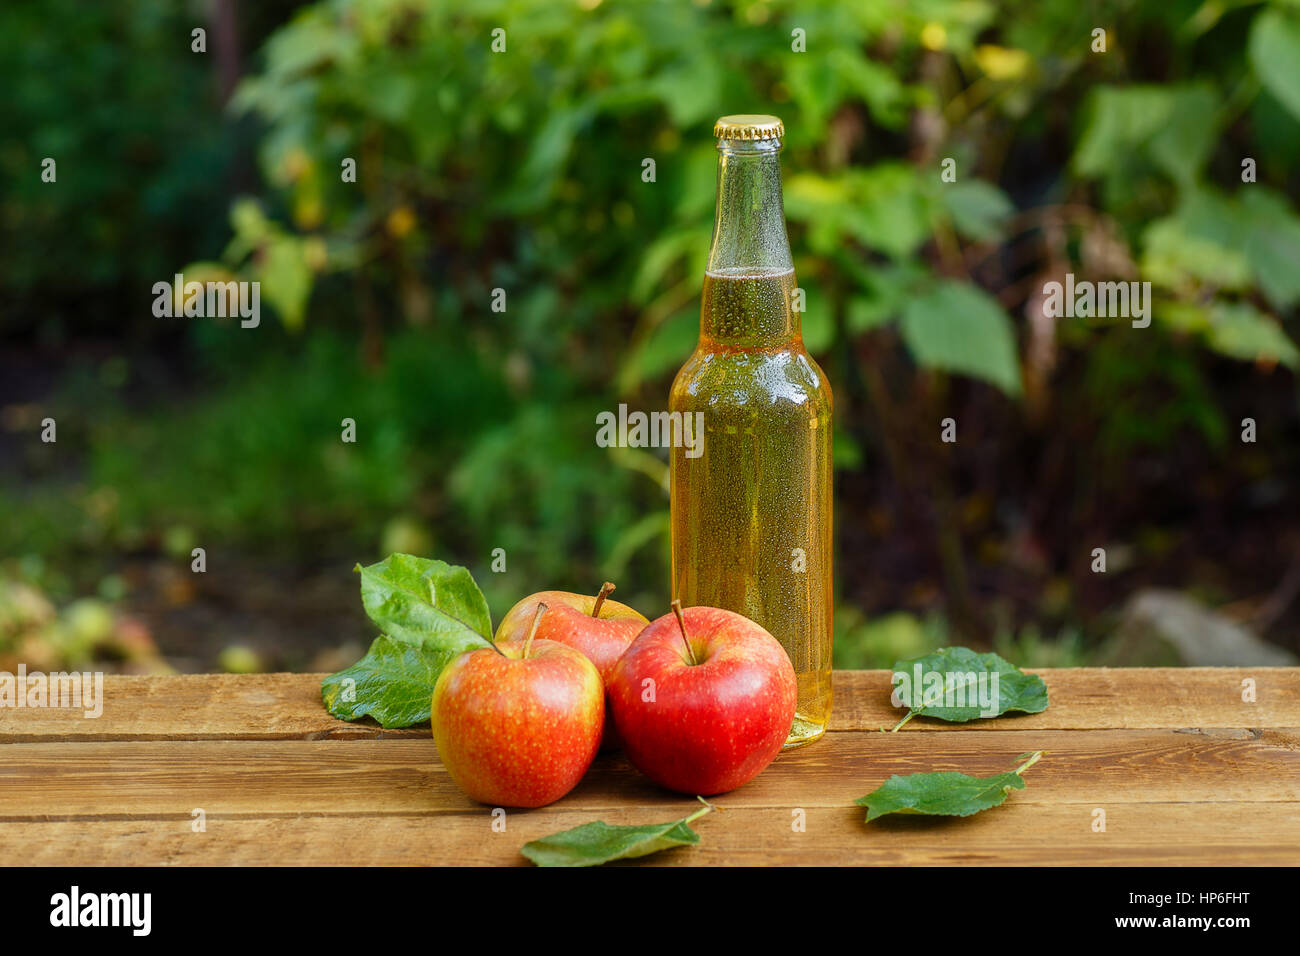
(751, 507)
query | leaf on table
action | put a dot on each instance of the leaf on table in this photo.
(393, 684)
(592, 844)
(431, 612)
(965, 675)
(945, 794)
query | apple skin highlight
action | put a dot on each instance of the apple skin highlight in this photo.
(515, 731)
(706, 727)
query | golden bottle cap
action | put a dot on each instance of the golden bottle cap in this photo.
(749, 126)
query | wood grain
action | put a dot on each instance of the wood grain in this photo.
(1185, 771)
(404, 776)
(288, 706)
(1136, 834)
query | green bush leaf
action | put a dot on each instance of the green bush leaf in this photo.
(944, 794)
(1274, 53)
(1241, 331)
(818, 326)
(666, 347)
(887, 289)
(598, 842)
(884, 207)
(1176, 258)
(393, 684)
(1226, 241)
(1270, 237)
(286, 279)
(961, 669)
(957, 327)
(1172, 128)
(426, 602)
(978, 209)
(877, 85)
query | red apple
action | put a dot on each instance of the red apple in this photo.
(703, 700)
(601, 629)
(517, 725)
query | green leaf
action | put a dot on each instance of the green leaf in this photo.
(1241, 331)
(286, 279)
(818, 326)
(1221, 240)
(426, 602)
(864, 314)
(1172, 128)
(884, 207)
(598, 842)
(658, 258)
(889, 209)
(431, 613)
(1270, 238)
(944, 794)
(546, 156)
(978, 209)
(887, 289)
(956, 326)
(689, 90)
(963, 670)
(1274, 48)
(1176, 258)
(663, 350)
(877, 85)
(393, 684)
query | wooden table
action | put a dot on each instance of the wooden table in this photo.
(1184, 770)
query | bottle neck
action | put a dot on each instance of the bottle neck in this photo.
(750, 271)
(749, 222)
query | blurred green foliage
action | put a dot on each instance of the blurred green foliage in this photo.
(523, 170)
(520, 167)
(112, 93)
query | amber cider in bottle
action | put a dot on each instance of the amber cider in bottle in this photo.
(751, 509)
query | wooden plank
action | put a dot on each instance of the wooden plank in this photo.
(1091, 698)
(124, 779)
(1141, 833)
(288, 706)
(1186, 772)
(196, 707)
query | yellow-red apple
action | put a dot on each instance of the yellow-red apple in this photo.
(600, 628)
(518, 724)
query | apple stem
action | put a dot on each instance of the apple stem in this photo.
(537, 619)
(605, 590)
(681, 623)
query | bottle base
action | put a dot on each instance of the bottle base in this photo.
(804, 731)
